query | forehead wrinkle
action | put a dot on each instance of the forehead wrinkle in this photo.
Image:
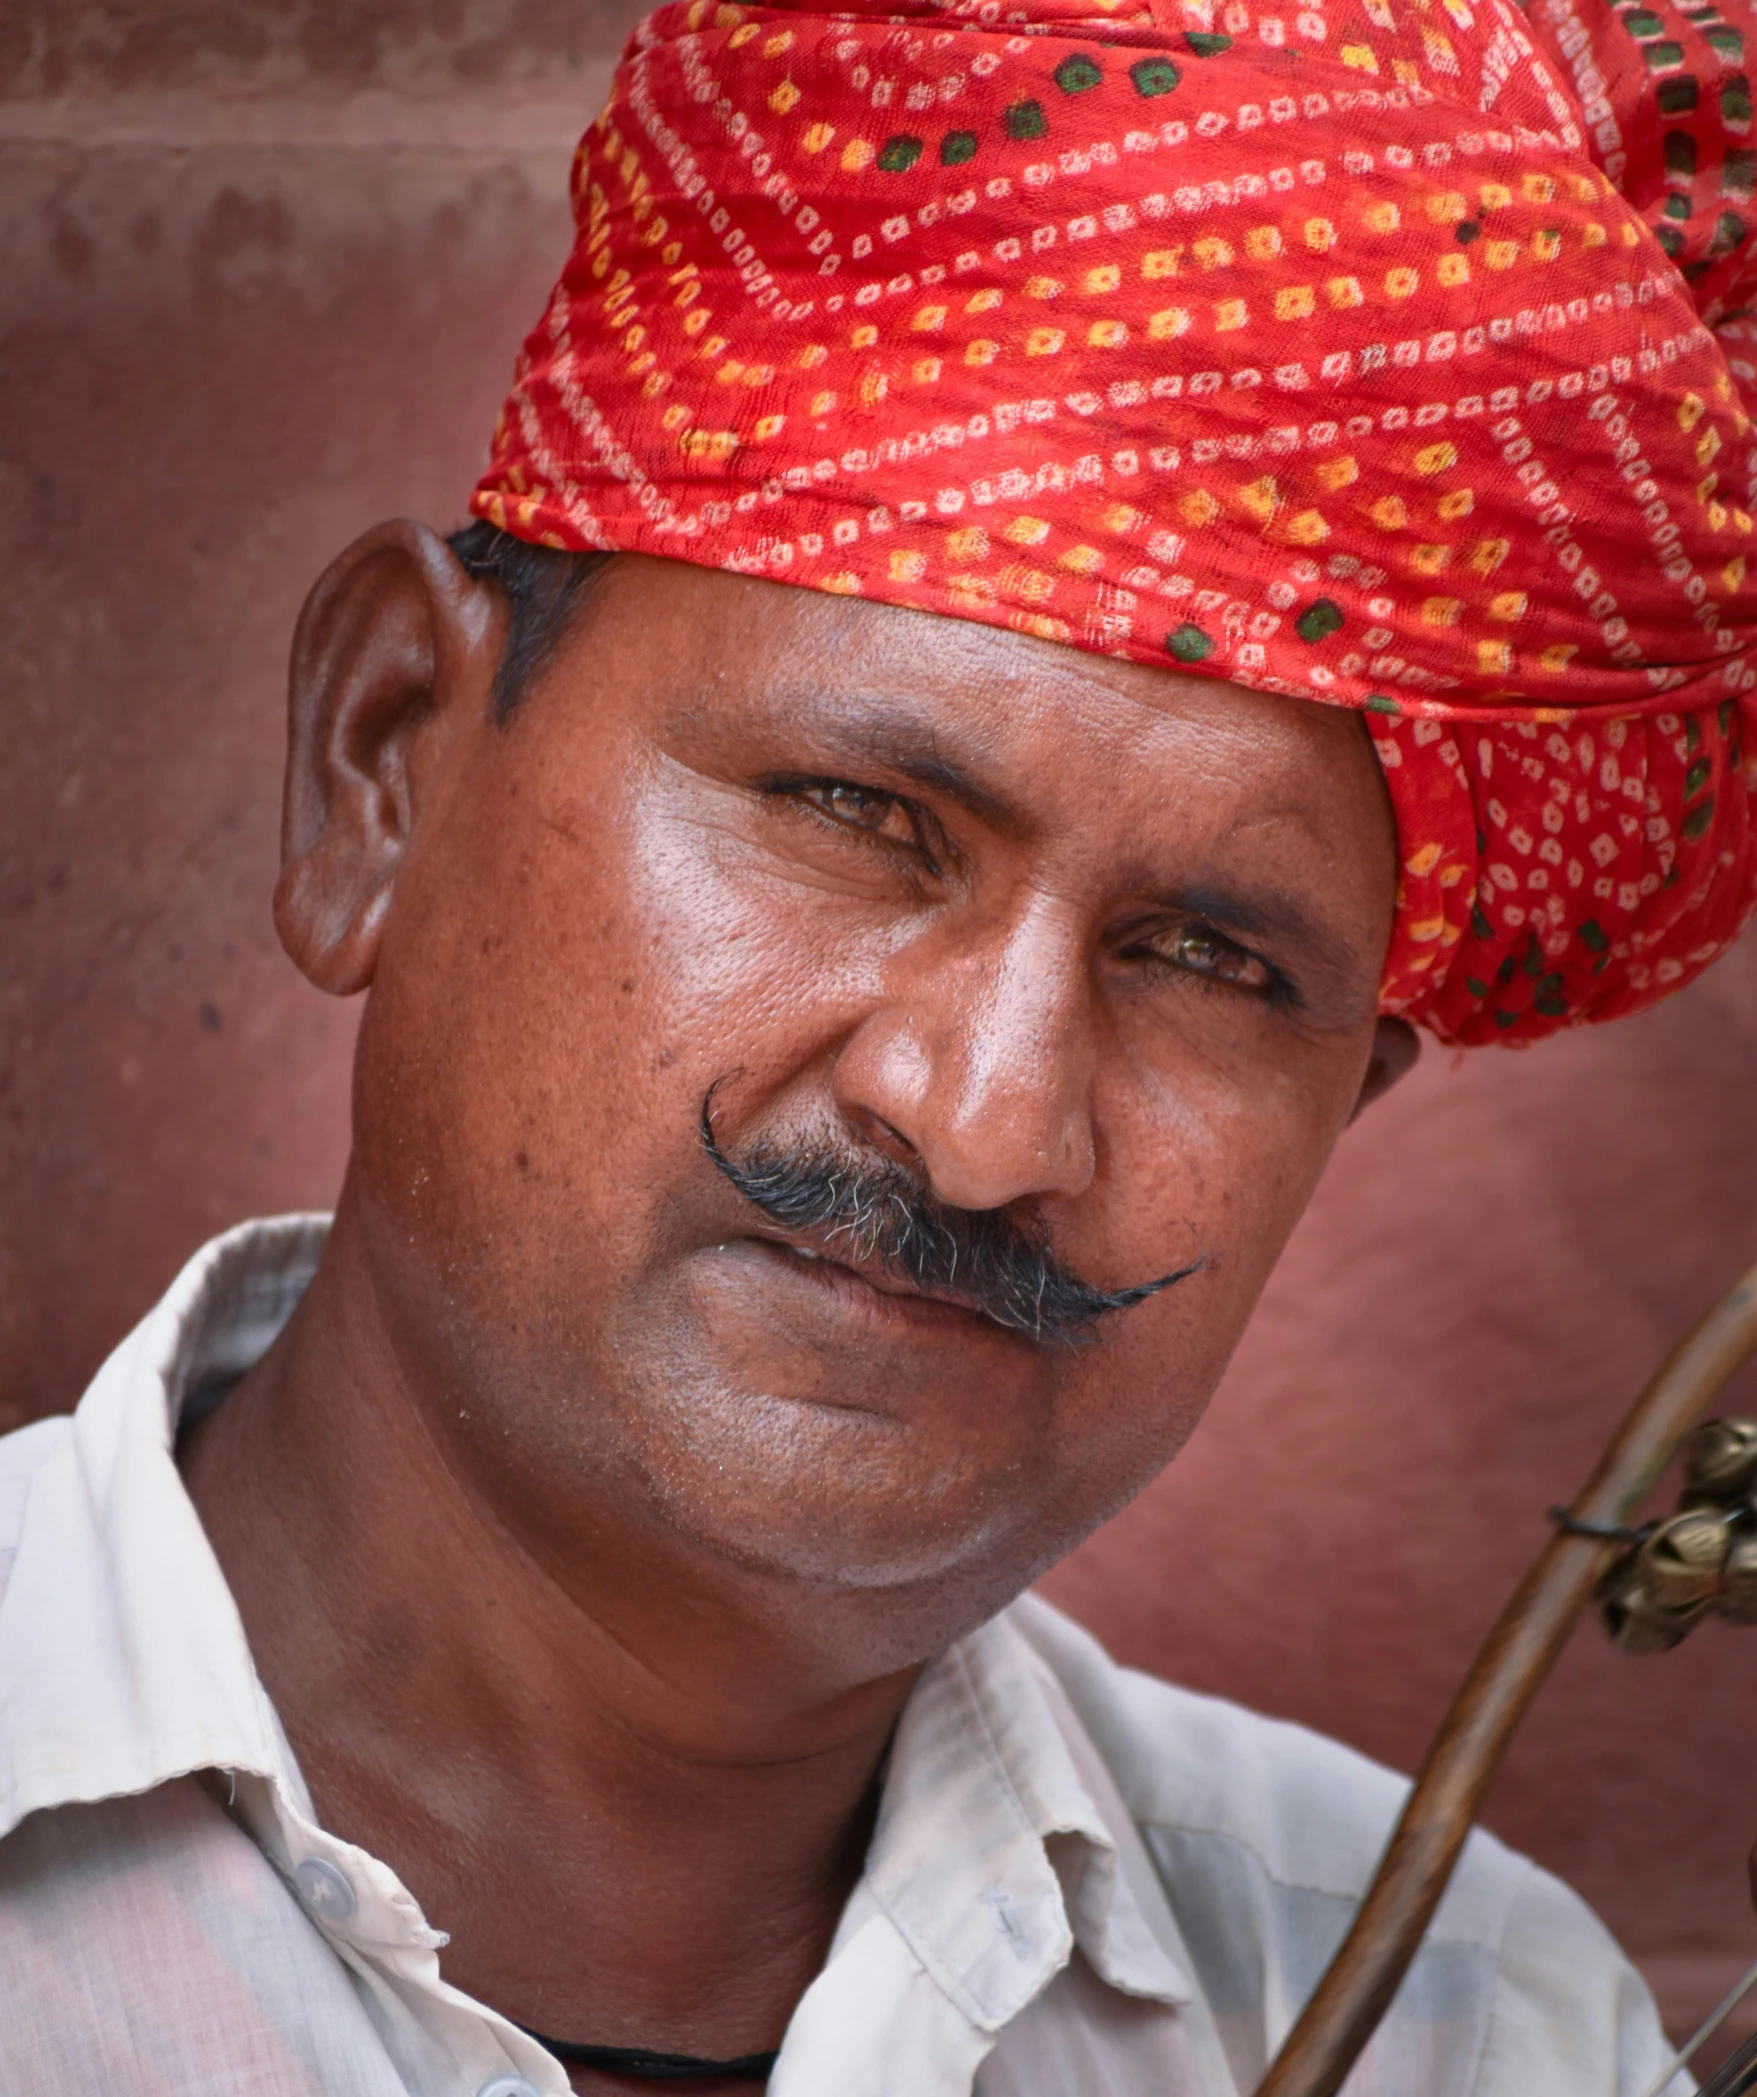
(909, 732)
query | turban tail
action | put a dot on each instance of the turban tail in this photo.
(1386, 353)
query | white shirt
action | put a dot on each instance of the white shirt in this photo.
(1083, 1883)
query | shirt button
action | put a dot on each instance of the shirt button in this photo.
(507, 2086)
(324, 1890)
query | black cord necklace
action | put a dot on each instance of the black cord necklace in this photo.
(656, 2067)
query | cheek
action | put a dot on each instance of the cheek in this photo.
(1219, 1125)
(1264, 1155)
(542, 1034)
(1202, 1164)
(509, 1045)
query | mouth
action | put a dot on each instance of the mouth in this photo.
(899, 1247)
(871, 1288)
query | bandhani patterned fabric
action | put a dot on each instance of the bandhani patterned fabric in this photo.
(1385, 353)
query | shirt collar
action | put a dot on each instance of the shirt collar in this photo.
(1002, 1844)
(123, 1661)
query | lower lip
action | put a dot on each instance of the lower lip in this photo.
(923, 1314)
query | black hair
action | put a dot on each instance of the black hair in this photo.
(866, 1210)
(544, 587)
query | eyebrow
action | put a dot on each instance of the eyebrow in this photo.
(878, 730)
(1279, 917)
(904, 744)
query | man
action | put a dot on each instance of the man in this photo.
(842, 1060)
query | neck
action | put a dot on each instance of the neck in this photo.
(633, 1799)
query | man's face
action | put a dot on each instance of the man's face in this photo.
(1023, 929)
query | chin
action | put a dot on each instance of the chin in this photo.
(834, 1496)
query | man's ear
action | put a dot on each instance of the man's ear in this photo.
(395, 649)
(1396, 1049)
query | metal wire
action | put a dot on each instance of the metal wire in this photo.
(1737, 2076)
(1706, 2030)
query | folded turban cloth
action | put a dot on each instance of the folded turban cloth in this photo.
(1385, 353)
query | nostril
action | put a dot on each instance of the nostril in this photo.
(894, 1143)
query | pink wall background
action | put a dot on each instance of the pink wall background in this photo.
(263, 264)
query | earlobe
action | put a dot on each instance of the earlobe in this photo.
(396, 644)
(1396, 1051)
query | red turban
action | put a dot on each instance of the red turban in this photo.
(1377, 356)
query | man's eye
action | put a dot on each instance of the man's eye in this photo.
(1206, 953)
(863, 808)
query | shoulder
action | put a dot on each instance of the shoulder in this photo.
(1265, 1835)
(1315, 1813)
(23, 1453)
(148, 1946)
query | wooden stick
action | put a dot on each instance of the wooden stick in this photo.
(1357, 1988)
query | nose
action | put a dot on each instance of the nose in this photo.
(980, 1057)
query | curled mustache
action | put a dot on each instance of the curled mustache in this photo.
(877, 1213)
